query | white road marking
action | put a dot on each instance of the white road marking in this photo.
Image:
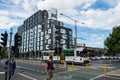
(106, 67)
(61, 72)
(92, 67)
(27, 76)
(2, 72)
(97, 77)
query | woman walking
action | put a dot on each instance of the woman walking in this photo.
(50, 68)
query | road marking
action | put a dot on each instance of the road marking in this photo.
(2, 72)
(26, 68)
(31, 69)
(27, 76)
(112, 77)
(61, 72)
(97, 77)
(93, 67)
(106, 67)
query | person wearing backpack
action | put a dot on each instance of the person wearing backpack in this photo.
(50, 68)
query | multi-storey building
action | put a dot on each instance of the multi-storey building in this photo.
(42, 31)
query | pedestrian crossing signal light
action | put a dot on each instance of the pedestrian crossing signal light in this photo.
(4, 39)
(58, 50)
(17, 40)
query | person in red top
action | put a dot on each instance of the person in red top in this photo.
(50, 68)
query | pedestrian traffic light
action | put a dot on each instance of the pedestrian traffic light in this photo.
(58, 50)
(4, 38)
(85, 51)
(17, 40)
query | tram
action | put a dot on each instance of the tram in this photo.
(69, 55)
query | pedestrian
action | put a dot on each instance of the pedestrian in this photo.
(6, 69)
(13, 66)
(50, 68)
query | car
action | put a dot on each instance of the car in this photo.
(103, 57)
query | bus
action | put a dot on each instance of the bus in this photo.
(69, 55)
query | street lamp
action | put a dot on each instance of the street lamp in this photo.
(75, 27)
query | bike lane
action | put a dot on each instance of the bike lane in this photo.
(82, 74)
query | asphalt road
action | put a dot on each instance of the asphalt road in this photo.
(26, 71)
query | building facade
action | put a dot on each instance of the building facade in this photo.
(42, 31)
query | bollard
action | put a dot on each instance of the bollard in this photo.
(104, 69)
(86, 67)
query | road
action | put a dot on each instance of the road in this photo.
(35, 71)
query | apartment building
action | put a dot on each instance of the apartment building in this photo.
(42, 31)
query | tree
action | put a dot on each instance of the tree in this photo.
(112, 42)
(4, 53)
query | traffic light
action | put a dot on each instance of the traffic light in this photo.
(17, 40)
(4, 38)
(85, 51)
(58, 50)
(0, 50)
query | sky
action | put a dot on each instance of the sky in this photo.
(99, 16)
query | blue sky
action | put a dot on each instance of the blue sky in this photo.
(99, 16)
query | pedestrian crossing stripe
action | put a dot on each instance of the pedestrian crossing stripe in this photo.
(2, 72)
(99, 67)
(106, 67)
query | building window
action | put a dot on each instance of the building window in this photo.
(49, 31)
(47, 46)
(53, 15)
(49, 41)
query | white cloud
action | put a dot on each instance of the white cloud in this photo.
(103, 19)
(16, 2)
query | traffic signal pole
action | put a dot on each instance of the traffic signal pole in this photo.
(9, 54)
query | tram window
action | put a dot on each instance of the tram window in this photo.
(78, 53)
(67, 54)
(71, 54)
(47, 54)
(44, 54)
(55, 54)
(81, 54)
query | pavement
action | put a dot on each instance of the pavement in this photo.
(115, 73)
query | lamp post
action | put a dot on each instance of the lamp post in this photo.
(9, 54)
(75, 27)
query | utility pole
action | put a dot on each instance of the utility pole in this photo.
(9, 54)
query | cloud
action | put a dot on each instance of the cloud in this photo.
(102, 19)
(80, 10)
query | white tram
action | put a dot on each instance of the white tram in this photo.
(69, 55)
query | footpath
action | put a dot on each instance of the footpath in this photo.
(115, 73)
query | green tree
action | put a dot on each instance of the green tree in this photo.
(112, 42)
(4, 53)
